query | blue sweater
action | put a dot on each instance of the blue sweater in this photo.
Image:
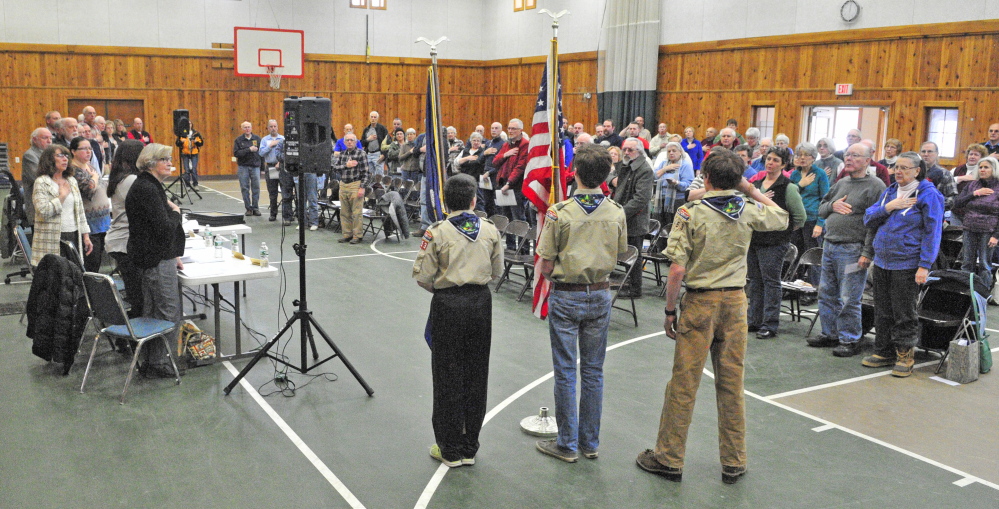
(696, 154)
(907, 239)
(812, 194)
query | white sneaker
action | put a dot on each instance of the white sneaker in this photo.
(313, 227)
(299, 227)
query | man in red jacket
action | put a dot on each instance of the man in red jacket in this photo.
(511, 161)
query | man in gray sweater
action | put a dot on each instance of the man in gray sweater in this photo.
(846, 254)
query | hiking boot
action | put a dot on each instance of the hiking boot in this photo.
(731, 475)
(435, 453)
(551, 448)
(822, 341)
(877, 361)
(904, 362)
(647, 461)
(847, 349)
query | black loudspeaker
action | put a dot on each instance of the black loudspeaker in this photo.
(307, 146)
(181, 123)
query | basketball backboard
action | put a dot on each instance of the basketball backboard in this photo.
(256, 49)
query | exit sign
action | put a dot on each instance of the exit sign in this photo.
(844, 89)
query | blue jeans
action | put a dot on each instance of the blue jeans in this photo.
(840, 293)
(415, 176)
(764, 270)
(311, 198)
(249, 185)
(190, 169)
(583, 317)
(978, 255)
(374, 167)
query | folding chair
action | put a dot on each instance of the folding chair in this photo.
(371, 213)
(653, 251)
(793, 292)
(521, 231)
(479, 213)
(945, 306)
(23, 250)
(788, 268)
(109, 312)
(625, 264)
(396, 183)
(501, 222)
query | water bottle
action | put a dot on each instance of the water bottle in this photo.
(264, 262)
(235, 243)
(218, 246)
(208, 236)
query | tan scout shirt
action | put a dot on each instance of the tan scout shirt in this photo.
(712, 246)
(447, 258)
(583, 246)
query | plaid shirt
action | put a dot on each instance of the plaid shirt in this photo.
(357, 173)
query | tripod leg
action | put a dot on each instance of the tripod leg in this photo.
(260, 353)
(339, 354)
(312, 343)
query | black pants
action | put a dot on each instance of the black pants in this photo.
(635, 279)
(286, 191)
(92, 261)
(461, 325)
(132, 277)
(896, 318)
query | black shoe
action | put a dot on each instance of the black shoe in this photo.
(847, 349)
(822, 341)
(754, 328)
(807, 300)
(272, 218)
(766, 334)
(628, 292)
(647, 461)
(343, 240)
(355, 240)
(731, 475)
(256, 212)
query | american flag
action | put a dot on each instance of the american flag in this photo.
(544, 176)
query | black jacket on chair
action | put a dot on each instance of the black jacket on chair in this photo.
(57, 310)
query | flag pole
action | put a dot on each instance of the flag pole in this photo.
(434, 142)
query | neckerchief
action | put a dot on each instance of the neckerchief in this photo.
(467, 224)
(589, 202)
(730, 206)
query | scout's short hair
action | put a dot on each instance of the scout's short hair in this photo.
(723, 168)
(459, 191)
(592, 164)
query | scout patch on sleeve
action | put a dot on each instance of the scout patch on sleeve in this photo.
(551, 214)
(423, 246)
(683, 213)
(427, 236)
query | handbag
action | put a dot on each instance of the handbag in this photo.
(197, 346)
(963, 361)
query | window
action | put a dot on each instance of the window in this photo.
(941, 128)
(368, 4)
(520, 5)
(763, 119)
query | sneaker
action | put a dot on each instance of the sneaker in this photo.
(766, 334)
(904, 363)
(468, 461)
(647, 461)
(847, 349)
(256, 212)
(590, 455)
(731, 475)
(299, 227)
(355, 240)
(877, 361)
(248, 212)
(822, 341)
(435, 453)
(344, 239)
(753, 328)
(313, 228)
(551, 448)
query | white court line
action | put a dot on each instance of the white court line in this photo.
(825, 427)
(375, 249)
(843, 382)
(239, 199)
(299, 443)
(344, 256)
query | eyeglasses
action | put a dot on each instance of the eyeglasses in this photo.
(61, 155)
(165, 159)
(900, 167)
(629, 149)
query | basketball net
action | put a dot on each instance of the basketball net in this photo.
(274, 74)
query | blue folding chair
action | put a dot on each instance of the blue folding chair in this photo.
(108, 311)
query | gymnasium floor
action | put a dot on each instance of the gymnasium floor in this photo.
(823, 431)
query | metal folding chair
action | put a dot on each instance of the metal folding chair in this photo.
(109, 313)
(625, 264)
(25, 247)
(793, 293)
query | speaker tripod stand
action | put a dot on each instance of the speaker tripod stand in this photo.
(303, 316)
(186, 168)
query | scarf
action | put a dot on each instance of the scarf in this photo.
(907, 190)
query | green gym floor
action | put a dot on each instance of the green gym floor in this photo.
(822, 431)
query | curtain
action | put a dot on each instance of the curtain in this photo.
(627, 62)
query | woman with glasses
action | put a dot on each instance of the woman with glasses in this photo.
(980, 203)
(767, 249)
(58, 206)
(155, 245)
(907, 220)
(893, 147)
(813, 184)
(827, 159)
(96, 204)
(674, 173)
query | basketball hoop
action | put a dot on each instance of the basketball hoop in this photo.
(274, 73)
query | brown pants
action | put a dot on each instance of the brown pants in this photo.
(351, 208)
(715, 322)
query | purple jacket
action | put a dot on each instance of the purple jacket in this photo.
(981, 213)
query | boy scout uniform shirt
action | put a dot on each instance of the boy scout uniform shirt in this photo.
(448, 258)
(722, 264)
(584, 246)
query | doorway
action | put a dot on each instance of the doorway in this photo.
(835, 121)
(125, 110)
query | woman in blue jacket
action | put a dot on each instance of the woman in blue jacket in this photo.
(693, 148)
(813, 184)
(908, 219)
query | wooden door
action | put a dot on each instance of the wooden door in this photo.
(125, 110)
